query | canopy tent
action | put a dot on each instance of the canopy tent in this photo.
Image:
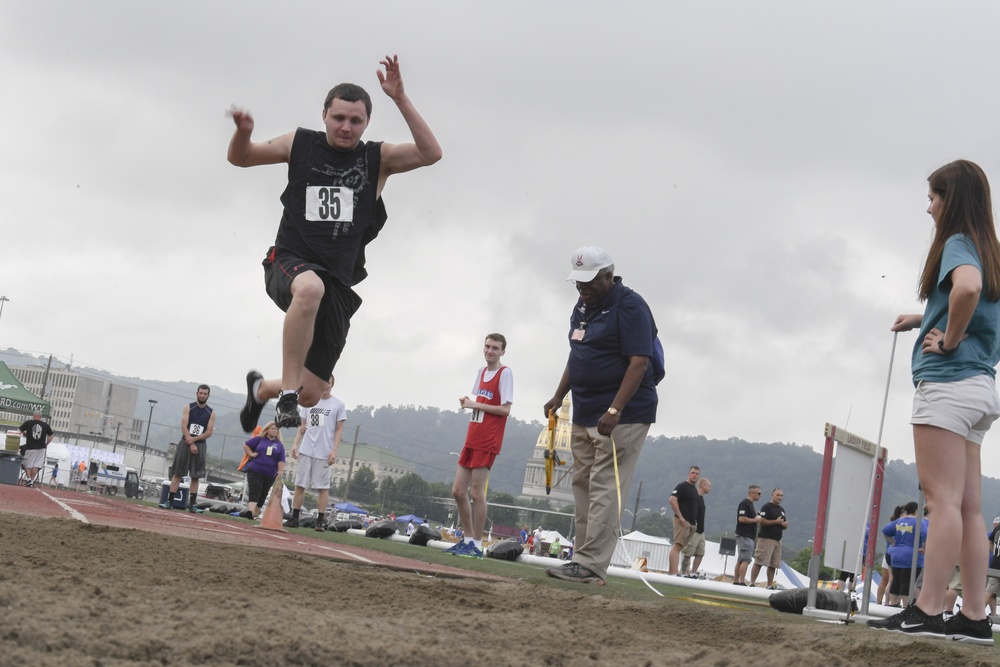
(15, 398)
(656, 551)
(350, 508)
(406, 518)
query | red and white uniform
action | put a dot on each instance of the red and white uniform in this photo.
(485, 430)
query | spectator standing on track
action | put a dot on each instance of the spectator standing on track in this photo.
(37, 434)
(315, 450)
(190, 455)
(490, 403)
(267, 462)
(684, 503)
(695, 548)
(901, 537)
(614, 363)
(773, 523)
(746, 534)
(953, 364)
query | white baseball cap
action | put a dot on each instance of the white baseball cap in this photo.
(587, 262)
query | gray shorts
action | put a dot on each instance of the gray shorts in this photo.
(186, 463)
(744, 549)
(312, 473)
(33, 458)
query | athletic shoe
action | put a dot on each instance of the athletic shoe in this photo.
(164, 506)
(292, 523)
(320, 528)
(912, 621)
(246, 514)
(574, 572)
(195, 510)
(287, 414)
(738, 583)
(250, 414)
(961, 629)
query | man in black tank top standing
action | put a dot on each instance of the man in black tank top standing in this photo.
(332, 209)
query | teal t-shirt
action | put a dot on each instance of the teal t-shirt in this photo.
(979, 353)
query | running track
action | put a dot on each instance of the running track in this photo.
(107, 511)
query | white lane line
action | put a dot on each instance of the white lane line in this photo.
(339, 551)
(72, 512)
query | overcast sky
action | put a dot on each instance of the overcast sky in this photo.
(757, 171)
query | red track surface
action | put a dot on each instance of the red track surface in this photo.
(106, 511)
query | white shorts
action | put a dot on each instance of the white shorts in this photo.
(33, 458)
(312, 473)
(967, 407)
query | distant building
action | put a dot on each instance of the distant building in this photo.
(383, 462)
(562, 479)
(83, 406)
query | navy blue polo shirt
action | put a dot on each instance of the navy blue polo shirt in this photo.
(619, 326)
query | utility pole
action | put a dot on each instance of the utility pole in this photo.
(635, 511)
(118, 425)
(149, 424)
(350, 466)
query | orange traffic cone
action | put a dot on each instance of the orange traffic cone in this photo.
(273, 516)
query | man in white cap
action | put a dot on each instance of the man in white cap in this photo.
(613, 367)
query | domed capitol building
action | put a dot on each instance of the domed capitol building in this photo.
(562, 478)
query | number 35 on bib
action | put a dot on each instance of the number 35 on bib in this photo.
(329, 203)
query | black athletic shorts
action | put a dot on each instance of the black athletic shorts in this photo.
(333, 320)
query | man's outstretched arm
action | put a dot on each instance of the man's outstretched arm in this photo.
(425, 149)
(245, 153)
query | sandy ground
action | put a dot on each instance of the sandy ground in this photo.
(83, 594)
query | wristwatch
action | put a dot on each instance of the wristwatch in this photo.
(945, 350)
(612, 411)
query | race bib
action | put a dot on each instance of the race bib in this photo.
(329, 203)
(316, 419)
(195, 429)
(477, 416)
(269, 450)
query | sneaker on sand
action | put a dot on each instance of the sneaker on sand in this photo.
(961, 629)
(287, 414)
(912, 621)
(574, 572)
(250, 414)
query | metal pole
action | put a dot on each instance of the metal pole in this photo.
(635, 512)
(879, 464)
(3, 300)
(350, 466)
(149, 424)
(115, 447)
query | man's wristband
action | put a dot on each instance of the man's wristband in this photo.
(945, 351)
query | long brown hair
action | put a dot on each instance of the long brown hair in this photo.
(966, 208)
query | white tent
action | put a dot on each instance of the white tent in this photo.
(656, 551)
